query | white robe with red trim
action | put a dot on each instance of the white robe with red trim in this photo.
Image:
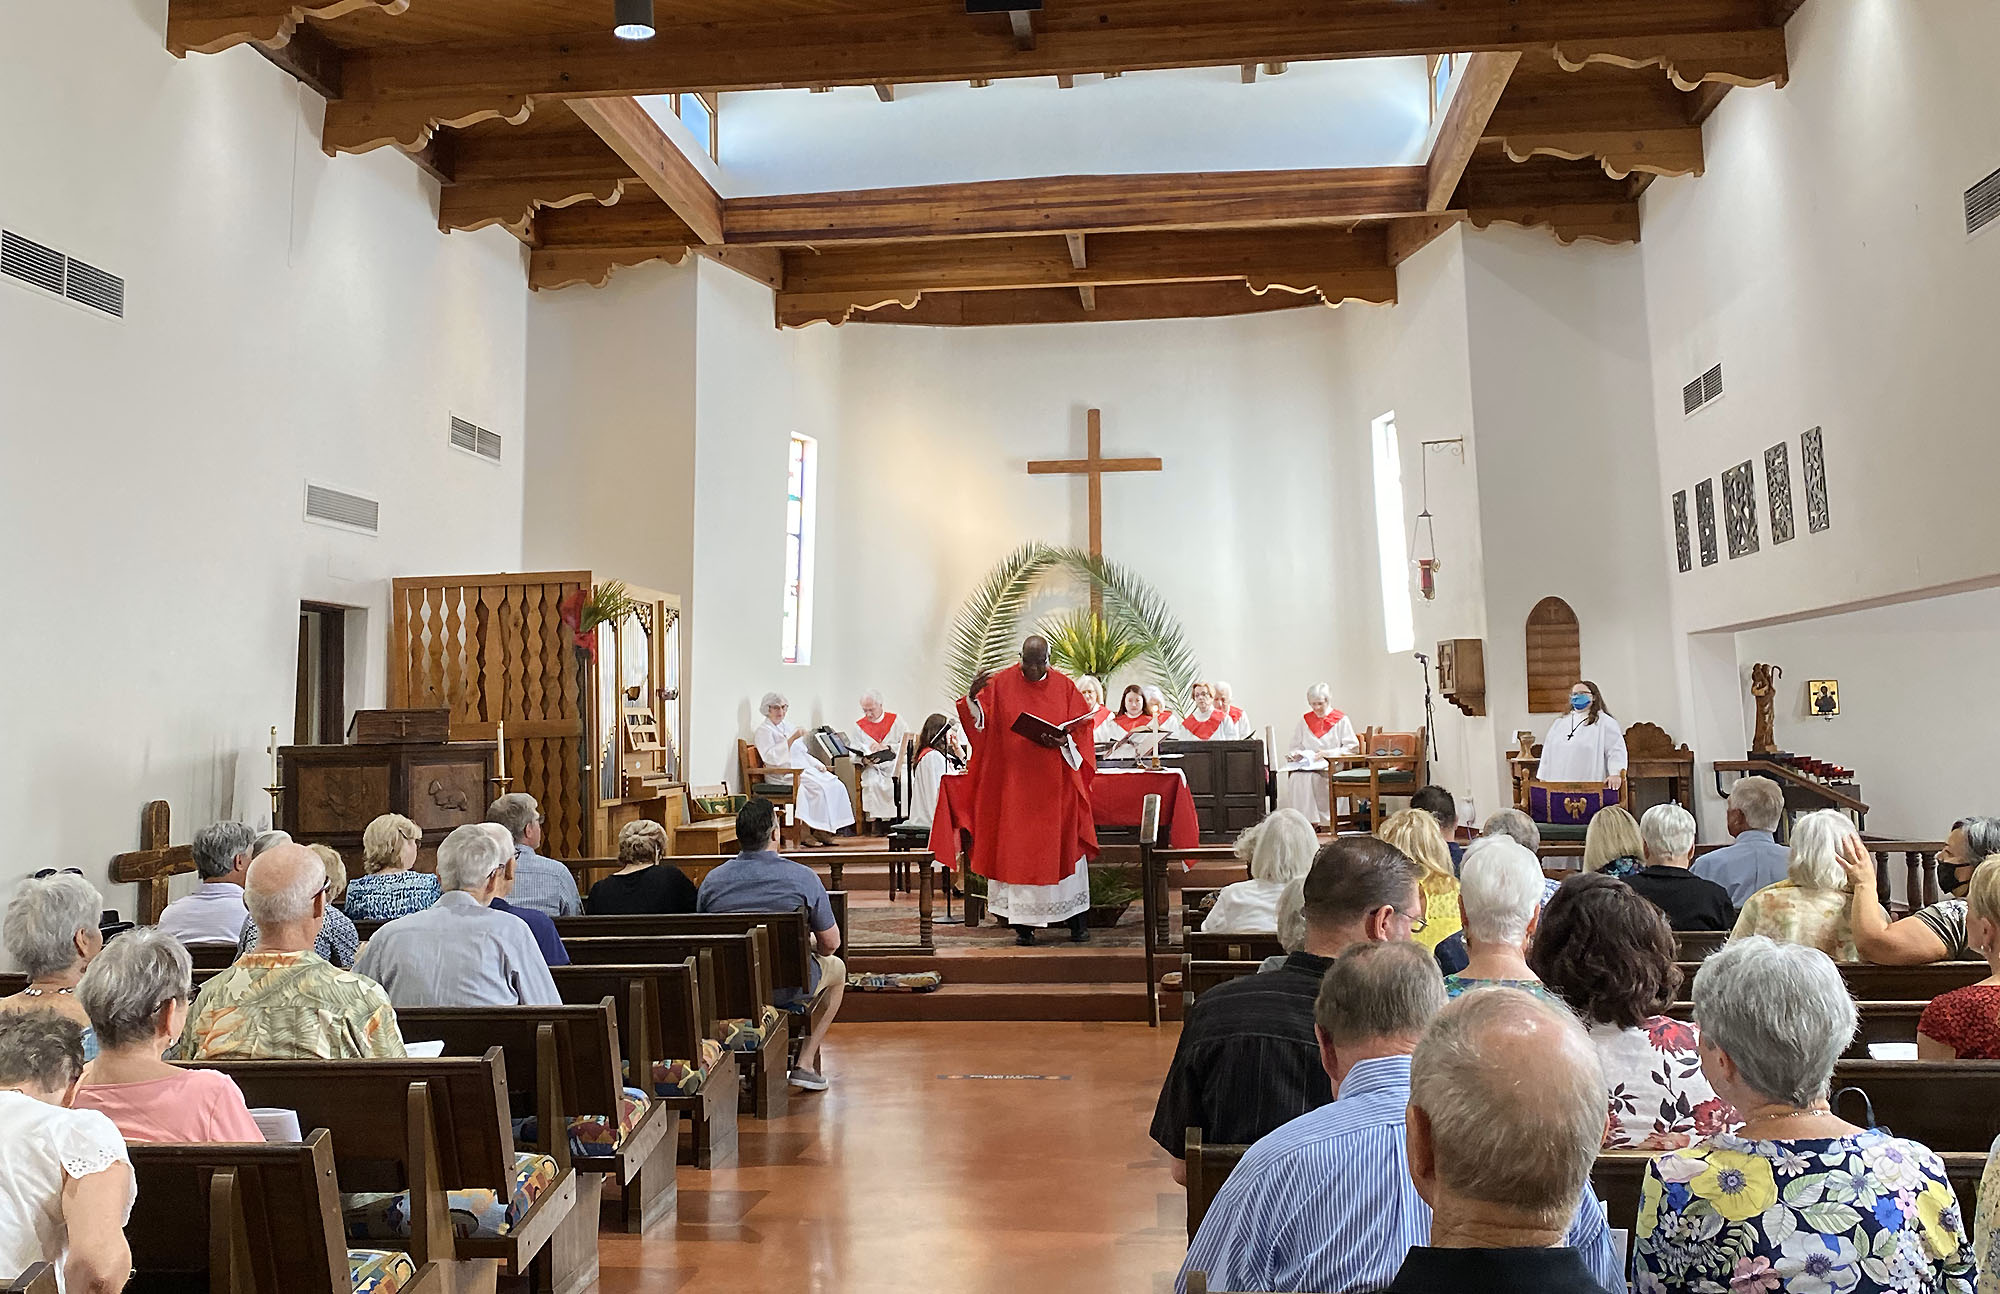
(878, 781)
(1305, 786)
(1213, 726)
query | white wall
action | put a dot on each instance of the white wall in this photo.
(288, 316)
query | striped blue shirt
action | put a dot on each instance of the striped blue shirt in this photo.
(1325, 1204)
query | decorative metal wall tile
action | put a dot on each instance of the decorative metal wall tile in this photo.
(1778, 483)
(1683, 548)
(1704, 511)
(1739, 508)
(1812, 461)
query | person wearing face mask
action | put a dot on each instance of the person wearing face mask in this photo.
(1932, 934)
(1586, 744)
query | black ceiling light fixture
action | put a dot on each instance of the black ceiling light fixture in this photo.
(633, 20)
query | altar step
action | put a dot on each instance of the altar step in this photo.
(1056, 983)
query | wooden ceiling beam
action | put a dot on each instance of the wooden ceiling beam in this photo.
(1750, 57)
(399, 93)
(561, 267)
(1479, 89)
(1078, 204)
(1412, 234)
(513, 203)
(633, 134)
(211, 26)
(1065, 305)
(310, 58)
(1620, 152)
(885, 92)
(1079, 253)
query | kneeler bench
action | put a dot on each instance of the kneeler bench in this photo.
(613, 1131)
(257, 1218)
(503, 1206)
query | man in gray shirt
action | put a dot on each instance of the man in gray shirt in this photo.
(459, 951)
(539, 883)
(1756, 859)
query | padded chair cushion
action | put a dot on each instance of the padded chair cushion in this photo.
(379, 1271)
(474, 1213)
(591, 1135)
(718, 806)
(1387, 778)
(882, 982)
(749, 1035)
(768, 789)
(1561, 831)
(687, 1078)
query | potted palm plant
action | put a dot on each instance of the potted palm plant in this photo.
(1112, 890)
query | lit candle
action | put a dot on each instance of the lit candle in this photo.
(503, 750)
(274, 755)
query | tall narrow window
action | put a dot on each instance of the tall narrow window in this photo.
(1399, 631)
(799, 509)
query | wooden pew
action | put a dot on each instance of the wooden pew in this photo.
(1203, 946)
(590, 1069)
(1197, 977)
(1871, 983)
(1618, 1177)
(742, 990)
(1696, 945)
(664, 1014)
(211, 956)
(1208, 1167)
(372, 1108)
(255, 1217)
(1879, 1022)
(40, 1278)
(1945, 1104)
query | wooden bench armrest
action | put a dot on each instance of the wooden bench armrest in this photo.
(431, 1239)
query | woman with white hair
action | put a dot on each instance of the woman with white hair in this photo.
(51, 930)
(1796, 1199)
(1499, 902)
(1279, 850)
(1093, 691)
(1810, 905)
(1224, 701)
(1203, 721)
(822, 805)
(1322, 731)
(879, 731)
(137, 994)
(647, 883)
(1691, 903)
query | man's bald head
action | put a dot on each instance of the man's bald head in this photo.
(1511, 1096)
(1035, 657)
(282, 885)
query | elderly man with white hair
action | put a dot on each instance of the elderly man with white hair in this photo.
(1322, 732)
(281, 1001)
(459, 951)
(822, 804)
(1755, 859)
(1506, 1111)
(1690, 902)
(1500, 902)
(879, 731)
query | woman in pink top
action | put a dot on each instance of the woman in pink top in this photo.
(136, 992)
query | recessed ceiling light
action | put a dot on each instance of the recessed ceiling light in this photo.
(634, 20)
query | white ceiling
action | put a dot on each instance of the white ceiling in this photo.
(1345, 113)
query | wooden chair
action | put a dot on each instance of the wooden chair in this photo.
(665, 1013)
(590, 1069)
(40, 1278)
(376, 1111)
(1204, 946)
(255, 1218)
(1208, 1167)
(742, 991)
(778, 785)
(1390, 763)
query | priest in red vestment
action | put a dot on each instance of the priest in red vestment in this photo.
(1032, 834)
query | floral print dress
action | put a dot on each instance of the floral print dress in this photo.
(1659, 1098)
(1832, 1215)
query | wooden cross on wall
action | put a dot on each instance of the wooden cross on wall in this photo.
(1094, 465)
(153, 863)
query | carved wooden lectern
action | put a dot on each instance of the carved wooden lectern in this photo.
(333, 792)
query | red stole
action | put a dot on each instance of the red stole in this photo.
(1129, 722)
(1102, 713)
(1320, 727)
(879, 729)
(1203, 728)
(1236, 714)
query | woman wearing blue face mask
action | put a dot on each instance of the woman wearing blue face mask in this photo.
(1586, 744)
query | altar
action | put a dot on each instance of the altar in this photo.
(1117, 798)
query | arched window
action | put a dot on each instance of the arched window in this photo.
(1555, 660)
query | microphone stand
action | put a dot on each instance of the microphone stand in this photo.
(1430, 737)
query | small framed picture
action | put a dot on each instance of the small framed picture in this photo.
(1823, 697)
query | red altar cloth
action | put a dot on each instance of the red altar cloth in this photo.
(1115, 801)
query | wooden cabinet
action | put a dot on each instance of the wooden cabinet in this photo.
(1461, 666)
(333, 792)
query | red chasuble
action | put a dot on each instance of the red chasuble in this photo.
(1203, 728)
(1320, 727)
(1030, 810)
(876, 729)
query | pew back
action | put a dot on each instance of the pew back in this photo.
(1945, 1104)
(788, 936)
(1871, 983)
(1203, 945)
(1197, 977)
(587, 1052)
(659, 1008)
(1879, 1022)
(737, 967)
(1208, 1167)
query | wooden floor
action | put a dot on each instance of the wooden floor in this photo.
(899, 1180)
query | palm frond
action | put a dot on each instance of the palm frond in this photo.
(983, 632)
(1143, 613)
(1081, 643)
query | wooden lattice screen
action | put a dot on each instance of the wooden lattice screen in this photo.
(492, 649)
(1555, 656)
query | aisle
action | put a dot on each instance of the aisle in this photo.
(897, 1180)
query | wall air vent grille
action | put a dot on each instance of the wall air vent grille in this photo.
(332, 507)
(30, 262)
(474, 439)
(1982, 204)
(90, 286)
(1704, 390)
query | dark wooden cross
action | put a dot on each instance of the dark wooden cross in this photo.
(153, 863)
(1094, 465)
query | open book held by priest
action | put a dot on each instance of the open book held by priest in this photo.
(1042, 732)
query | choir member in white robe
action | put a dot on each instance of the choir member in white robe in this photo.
(1322, 731)
(1156, 708)
(927, 770)
(878, 730)
(1585, 745)
(1093, 692)
(822, 805)
(1223, 693)
(1129, 718)
(1203, 722)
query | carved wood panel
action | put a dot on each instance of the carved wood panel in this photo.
(1555, 656)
